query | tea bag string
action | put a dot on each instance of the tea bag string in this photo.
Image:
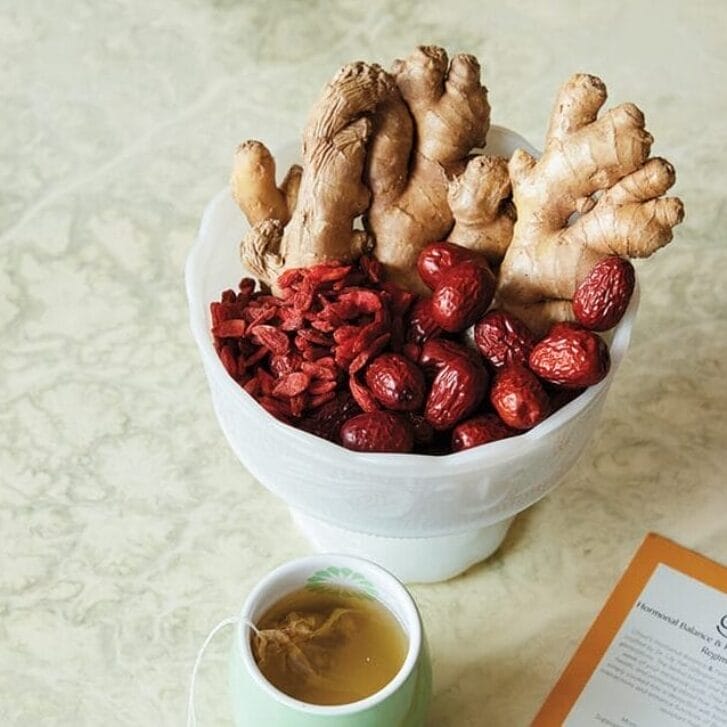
(232, 620)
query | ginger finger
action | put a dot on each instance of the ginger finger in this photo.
(479, 200)
(649, 182)
(253, 184)
(577, 105)
(633, 230)
(290, 186)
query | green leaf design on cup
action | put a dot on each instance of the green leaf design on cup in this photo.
(342, 582)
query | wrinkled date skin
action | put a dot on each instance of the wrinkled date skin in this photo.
(459, 385)
(518, 397)
(439, 351)
(422, 326)
(571, 357)
(396, 382)
(378, 431)
(504, 339)
(479, 430)
(602, 298)
(462, 295)
(437, 257)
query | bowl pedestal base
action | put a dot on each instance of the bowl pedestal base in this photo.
(412, 560)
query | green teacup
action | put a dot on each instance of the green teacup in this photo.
(403, 702)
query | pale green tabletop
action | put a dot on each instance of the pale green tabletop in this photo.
(128, 527)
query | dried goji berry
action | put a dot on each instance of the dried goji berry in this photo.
(231, 328)
(298, 404)
(373, 349)
(266, 381)
(286, 363)
(290, 278)
(345, 333)
(255, 358)
(328, 272)
(271, 337)
(291, 385)
(322, 387)
(229, 360)
(319, 370)
(246, 288)
(316, 337)
(258, 316)
(276, 407)
(291, 319)
(313, 353)
(362, 395)
(320, 399)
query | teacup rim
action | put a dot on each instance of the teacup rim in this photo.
(308, 564)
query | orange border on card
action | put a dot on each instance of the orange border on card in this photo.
(654, 550)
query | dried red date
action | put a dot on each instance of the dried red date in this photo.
(504, 339)
(422, 325)
(396, 382)
(479, 430)
(326, 421)
(518, 397)
(439, 351)
(459, 386)
(603, 296)
(462, 295)
(437, 257)
(378, 431)
(570, 356)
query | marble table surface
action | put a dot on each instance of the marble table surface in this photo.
(128, 527)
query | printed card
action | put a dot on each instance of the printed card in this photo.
(656, 655)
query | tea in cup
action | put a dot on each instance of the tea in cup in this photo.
(330, 640)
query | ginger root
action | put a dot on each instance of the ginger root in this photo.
(395, 146)
(418, 168)
(600, 168)
(309, 219)
(396, 150)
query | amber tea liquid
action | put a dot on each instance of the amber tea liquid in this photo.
(329, 648)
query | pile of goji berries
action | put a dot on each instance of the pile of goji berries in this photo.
(357, 360)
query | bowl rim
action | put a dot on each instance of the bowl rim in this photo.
(428, 466)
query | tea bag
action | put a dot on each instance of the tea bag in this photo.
(299, 649)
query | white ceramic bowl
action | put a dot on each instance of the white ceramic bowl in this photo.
(423, 518)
